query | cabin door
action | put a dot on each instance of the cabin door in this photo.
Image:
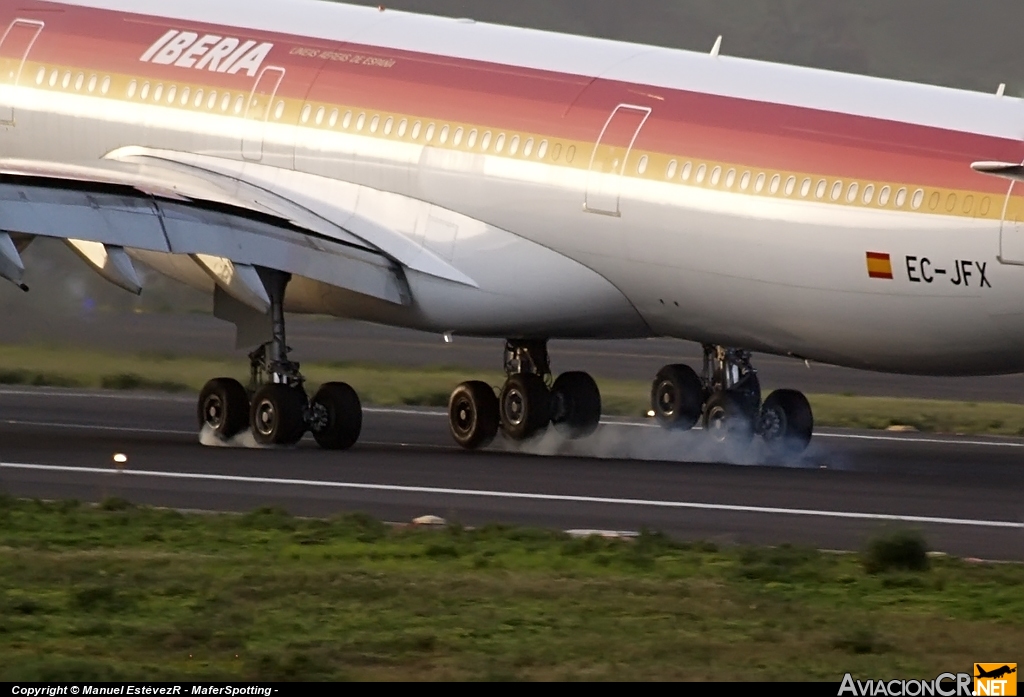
(611, 157)
(1011, 236)
(15, 45)
(261, 110)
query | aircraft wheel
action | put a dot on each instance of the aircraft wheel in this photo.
(786, 422)
(337, 416)
(728, 419)
(473, 415)
(224, 407)
(524, 406)
(749, 392)
(575, 404)
(677, 396)
(277, 414)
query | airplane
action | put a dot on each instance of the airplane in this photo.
(995, 673)
(471, 179)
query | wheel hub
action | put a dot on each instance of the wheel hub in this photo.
(515, 408)
(266, 415)
(718, 424)
(667, 398)
(214, 410)
(318, 419)
(772, 424)
(561, 407)
(464, 416)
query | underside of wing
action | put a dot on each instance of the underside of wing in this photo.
(103, 210)
(352, 251)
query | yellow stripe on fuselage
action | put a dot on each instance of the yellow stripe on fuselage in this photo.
(558, 152)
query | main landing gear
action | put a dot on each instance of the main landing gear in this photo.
(726, 399)
(275, 405)
(527, 403)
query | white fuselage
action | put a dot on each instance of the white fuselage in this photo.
(785, 210)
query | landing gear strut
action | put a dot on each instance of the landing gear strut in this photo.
(726, 398)
(275, 405)
(527, 403)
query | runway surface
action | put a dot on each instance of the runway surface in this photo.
(963, 493)
(321, 339)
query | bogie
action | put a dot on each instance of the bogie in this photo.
(727, 401)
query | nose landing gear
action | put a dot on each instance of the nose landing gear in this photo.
(726, 398)
(275, 406)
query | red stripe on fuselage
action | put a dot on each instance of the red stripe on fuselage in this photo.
(685, 124)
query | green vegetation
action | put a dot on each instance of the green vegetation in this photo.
(927, 415)
(117, 592)
(900, 551)
(392, 386)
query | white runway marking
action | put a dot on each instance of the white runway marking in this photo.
(514, 495)
(95, 427)
(125, 396)
(920, 439)
(407, 412)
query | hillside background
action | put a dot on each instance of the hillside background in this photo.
(973, 44)
(970, 44)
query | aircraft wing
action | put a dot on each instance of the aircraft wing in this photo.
(212, 212)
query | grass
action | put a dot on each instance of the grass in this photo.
(905, 551)
(927, 415)
(116, 592)
(393, 386)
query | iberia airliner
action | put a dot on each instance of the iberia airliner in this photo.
(466, 178)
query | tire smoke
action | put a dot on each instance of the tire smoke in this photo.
(245, 439)
(622, 441)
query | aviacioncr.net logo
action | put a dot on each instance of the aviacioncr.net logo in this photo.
(945, 685)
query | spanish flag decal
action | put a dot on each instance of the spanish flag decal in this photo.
(879, 265)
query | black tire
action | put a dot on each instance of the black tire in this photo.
(786, 422)
(677, 397)
(224, 407)
(575, 405)
(340, 414)
(276, 415)
(749, 392)
(728, 419)
(524, 406)
(473, 415)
